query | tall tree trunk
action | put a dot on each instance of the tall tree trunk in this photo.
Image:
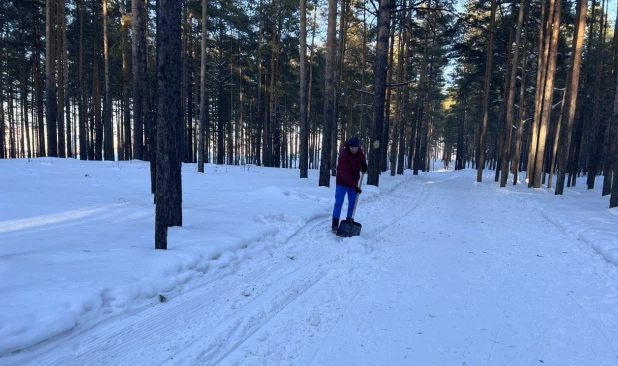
(223, 109)
(548, 90)
(168, 192)
(329, 91)
(389, 93)
(521, 114)
(399, 106)
(107, 100)
(2, 123)
(12, 129)
(343, 30)
(96, 91)
(304, 126)
(544, 39)
(203, 94)
(108, 136)
(610, 164)
(24, 107)
(81, 91)
(420, 108)
(60, 57)
(613, 200)
(260, 94)
(506, 149)
(483, 126)
(379, 92)
(38, 85)
(65, 86)
(230, 128)
(51, 107)
(126, 137)
(137, 8)
(597, 129)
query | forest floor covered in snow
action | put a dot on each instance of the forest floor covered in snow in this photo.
(446, 270)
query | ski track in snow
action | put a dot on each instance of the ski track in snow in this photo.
(314, 287)
(213, 308)
(211, 322)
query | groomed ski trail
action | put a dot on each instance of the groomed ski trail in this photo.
(210, 322)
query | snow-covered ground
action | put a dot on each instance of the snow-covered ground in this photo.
(446, 271)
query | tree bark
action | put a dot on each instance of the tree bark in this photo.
(304, 126)
(137, 8)
(511, 98)
(379, 92)
(60, 57)
(548, 90)
(597, 129)
(483, 126)
(2, 123)
(107, 101)
(168, 190)
(329, 91)
(51, 108)
(38, 85)
(610, 163)
(521, 114)
(203, 94)
(96, 91)
(126, 146)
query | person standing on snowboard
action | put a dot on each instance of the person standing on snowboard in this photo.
(351, 162)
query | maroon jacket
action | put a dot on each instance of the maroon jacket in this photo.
(349, 166)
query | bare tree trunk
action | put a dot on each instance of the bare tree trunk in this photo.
(137, 8)
(399, 106)
(597, 123)
(610, 164)
(96, 91)
(389, 92)
(379, 92)
(168, 191)
(260, 103)
(304, 135)
(511, 98)
(2, 123)
(60, 57)
(38, 85)
(521, 115)
(107, 101)
(329, 91)
(548, 90)
(418, 127)
(483, 126)
(65, 86)
(24, 108)
(554, 150)
(51, 108)
(126, 136)
(12, 129)
(230, 127)
(613, 200)
(203, 95)
(82, 87)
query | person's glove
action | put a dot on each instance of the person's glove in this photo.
(364, 170)
(358, 190)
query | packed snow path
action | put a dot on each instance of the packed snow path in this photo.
(446, 271)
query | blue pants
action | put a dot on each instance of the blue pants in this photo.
(340, 192)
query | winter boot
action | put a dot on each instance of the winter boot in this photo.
(335, 225)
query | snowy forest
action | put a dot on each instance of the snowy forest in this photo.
(490, 132)
(506, 86)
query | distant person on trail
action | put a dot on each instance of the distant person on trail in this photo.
(351, 162)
